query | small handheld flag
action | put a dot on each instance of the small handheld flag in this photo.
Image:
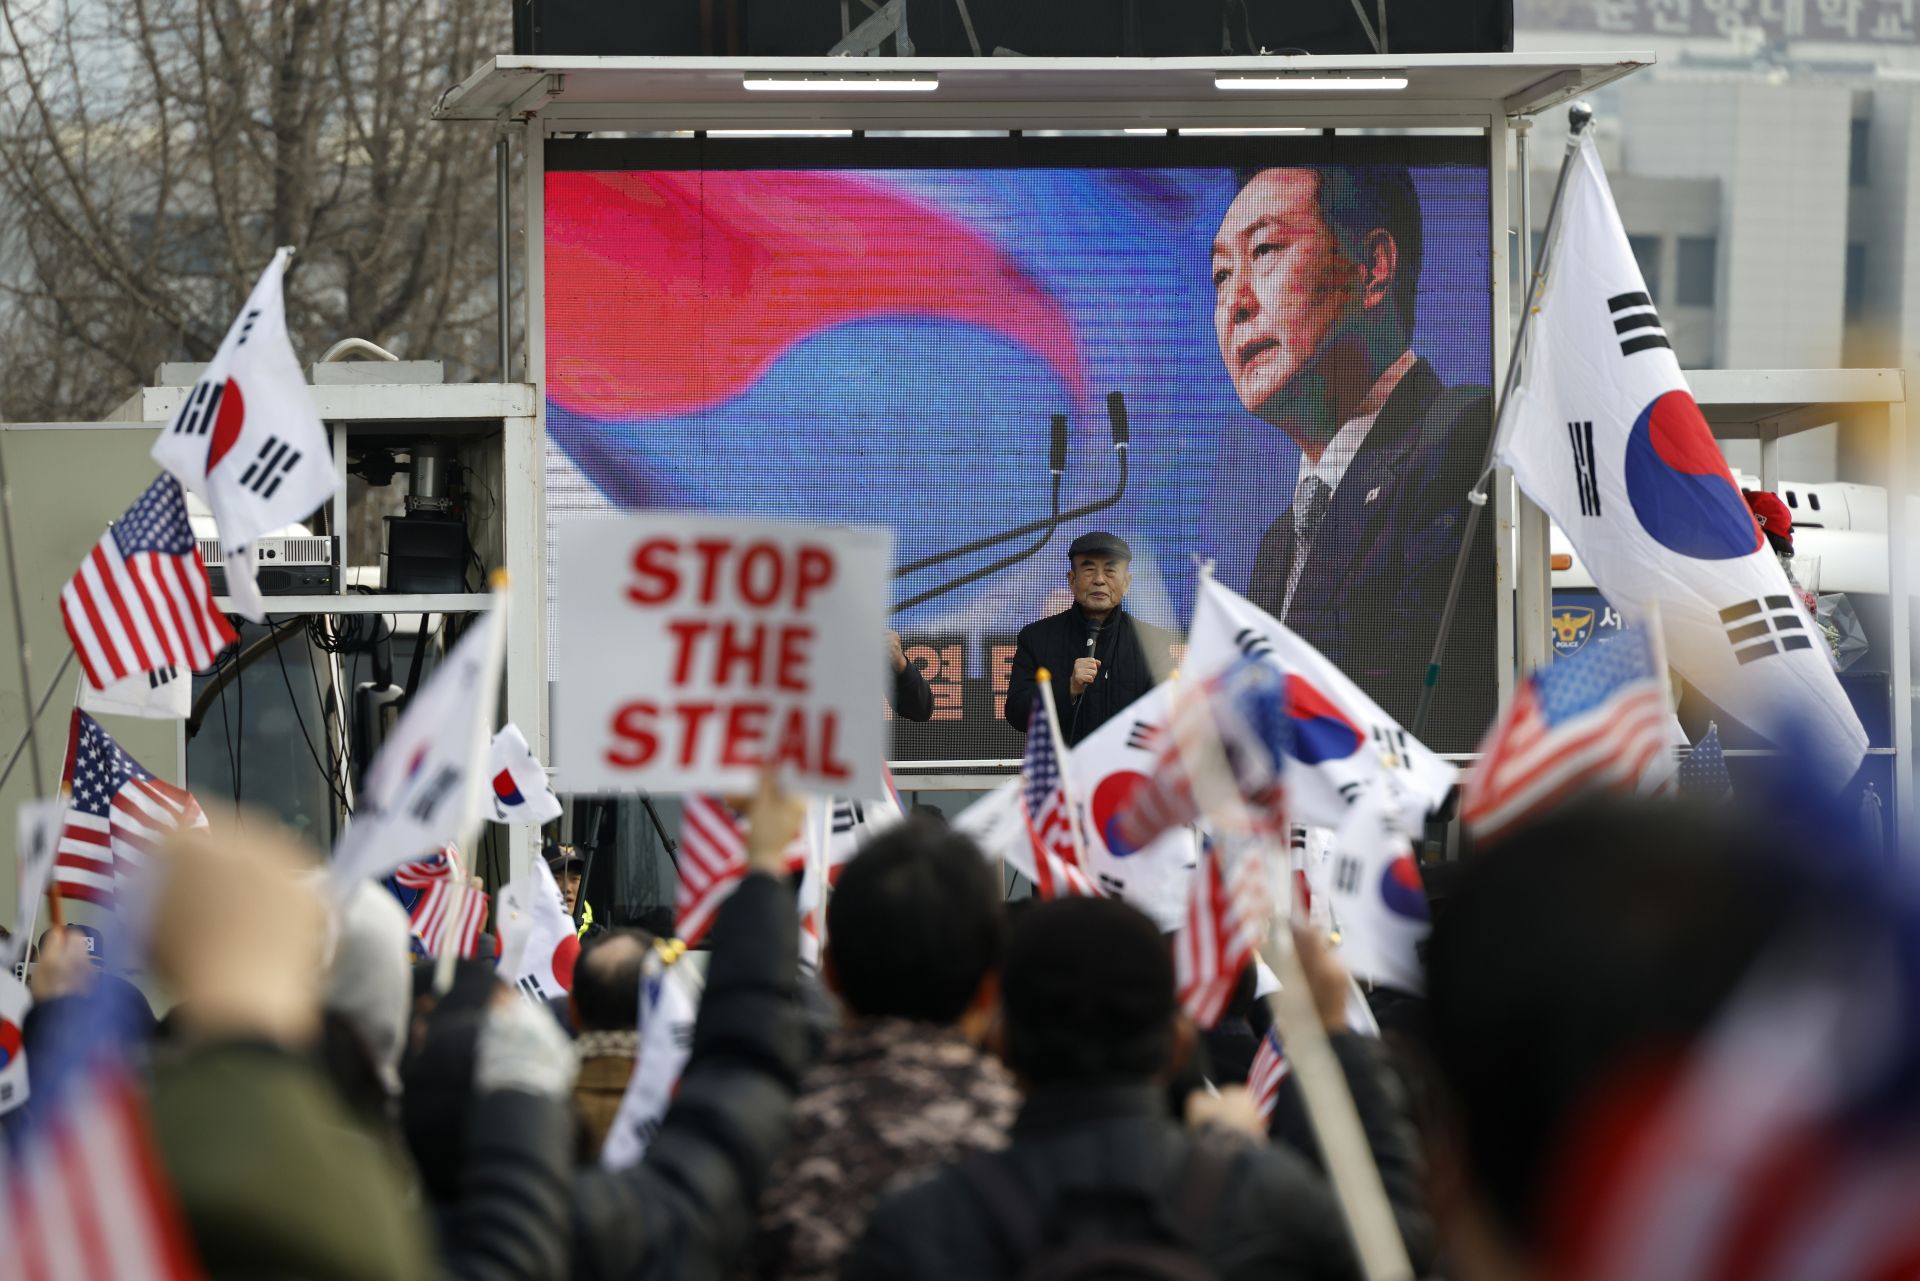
(516, 783)
(538, 944)
(1703, 774)
(1594, 721)
(1057, 869)
(247, 438)
(118, 813)
(1343, 742)
(1243, 706)
(140, 602)
(439, 914)
(427, 784)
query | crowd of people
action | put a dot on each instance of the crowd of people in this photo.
(965, 1088)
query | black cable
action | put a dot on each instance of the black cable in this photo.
(240, 717)
(335, 763)
(294, 699)
(233, 761)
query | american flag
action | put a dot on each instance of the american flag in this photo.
(432, 913)
(1224, 911)
(1594, 721)
(140, 601)
(1270, 1068)
(713, 859)
(1049, 813)
(1703, 774)
(84, 1198)
(117, 813)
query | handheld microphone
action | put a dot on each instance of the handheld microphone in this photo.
(1059, 462)
(1117, 416)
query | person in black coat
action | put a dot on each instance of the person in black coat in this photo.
(1316, 274)
(686, 1211)
(1099, 657)
(912, 697)
(1091, 1027)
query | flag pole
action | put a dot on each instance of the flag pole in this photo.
(20, 630)
(473, 790)
(1357, 1185)
(1579, 115)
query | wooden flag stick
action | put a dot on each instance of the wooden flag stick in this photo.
(473, 787)
(1044, 679)
(1323, 1087)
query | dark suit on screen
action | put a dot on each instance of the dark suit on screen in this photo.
(1375, 575)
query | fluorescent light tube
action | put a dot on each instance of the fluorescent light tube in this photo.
(1223, 132)
(842, 84)
(1323, 84)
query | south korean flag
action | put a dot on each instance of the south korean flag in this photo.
(1603, 432)
(1344, 743)
(248, 441)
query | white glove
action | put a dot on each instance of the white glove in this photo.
(522, 1048)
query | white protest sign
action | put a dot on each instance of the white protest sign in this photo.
(694, 651)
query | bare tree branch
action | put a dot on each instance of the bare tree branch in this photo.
(153, 152)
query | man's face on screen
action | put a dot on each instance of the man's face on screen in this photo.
(1281, 285)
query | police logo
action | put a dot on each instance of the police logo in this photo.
(1572, 629)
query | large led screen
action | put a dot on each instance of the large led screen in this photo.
(1291, 336)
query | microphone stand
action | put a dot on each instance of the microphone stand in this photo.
(1048, 525)
(1117, 418)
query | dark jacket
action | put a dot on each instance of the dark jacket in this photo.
(1133, 655)
(687, 1210)
(912, 697)
(1276, 1218)
(1376, 573)
(888, 1103)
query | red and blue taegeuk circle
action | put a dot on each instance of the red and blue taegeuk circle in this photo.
(1402, 891)
(1680, 486)
(1321, 731)
(1113, 796)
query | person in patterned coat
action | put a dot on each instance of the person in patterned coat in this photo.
(915, 936)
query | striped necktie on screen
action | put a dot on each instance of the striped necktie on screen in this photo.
(1311, 498)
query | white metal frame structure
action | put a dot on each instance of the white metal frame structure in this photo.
(1767, 404)
(532, 99)
(444, 409)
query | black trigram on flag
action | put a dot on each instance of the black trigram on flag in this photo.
(1346, 874)
(1584, 480)
(1391, 742)
(1637, 323)
(203, 403)
(436, 790)
(159, 676)
(271, 466)
(1253, 644)
(1143, 736)
(1761, 628)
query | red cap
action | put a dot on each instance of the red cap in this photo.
(1770, 513)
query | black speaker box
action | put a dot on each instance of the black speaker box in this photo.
(1036, 28)
(1333, 27)
(666, 28)
(1066, 28)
